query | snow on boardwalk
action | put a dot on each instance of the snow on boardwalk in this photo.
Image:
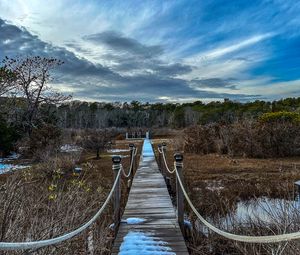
(149, 224)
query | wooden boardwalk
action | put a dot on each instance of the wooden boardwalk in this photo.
(149, 224)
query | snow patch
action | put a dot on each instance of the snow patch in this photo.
(4, 168)
(117, 150)
(121, 156)
(136, 243)
(214, 185)
(70, 148)
(132, 221)
(188, 224)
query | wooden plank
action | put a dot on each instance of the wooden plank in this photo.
(149, 201)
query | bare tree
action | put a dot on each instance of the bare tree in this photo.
(96, 140)
(31, 77)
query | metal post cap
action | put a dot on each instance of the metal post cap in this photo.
(116, 159)
(159, 146)
(131, 145)
(164, 144)
(178, 157)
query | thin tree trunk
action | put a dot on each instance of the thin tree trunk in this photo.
(98, 154)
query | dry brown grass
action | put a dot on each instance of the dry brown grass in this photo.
(244, 177)
(216, 183)
(44, 205)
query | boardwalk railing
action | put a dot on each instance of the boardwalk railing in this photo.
(114, 192)
(181, 192)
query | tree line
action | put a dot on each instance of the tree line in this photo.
(82, 115)
(31, 110)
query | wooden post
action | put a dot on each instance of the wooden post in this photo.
(297, 184)
(131, 147)
(117, 194)
(159, 157)
(136, 163)
(179, 194)
(164, 149)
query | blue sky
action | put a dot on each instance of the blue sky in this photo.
(157, 50)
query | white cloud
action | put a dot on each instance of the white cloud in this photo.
(232, 61)
(224, 50)
(225, 69)
(275, 90)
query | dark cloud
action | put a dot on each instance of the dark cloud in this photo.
(173, 69)
(139, 73)
(131, 55)
(15, 41)
(214, 83)
(128, 63)
(119, 42)
(78, 48)
(150, 88)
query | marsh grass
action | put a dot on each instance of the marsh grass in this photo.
(217, 183)
(49, 199)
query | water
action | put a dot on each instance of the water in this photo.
(263, 209)
(6, 164)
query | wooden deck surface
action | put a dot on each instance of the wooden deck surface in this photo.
(149, 202)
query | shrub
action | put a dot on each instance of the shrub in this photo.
(8, 137)
(263, 138)
(44, 139)
(201, 139)
(96, 140)
(282, 116)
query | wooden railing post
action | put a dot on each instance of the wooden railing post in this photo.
(159, 158)
(117, 194)
(164, 149)
(179, 194)
(132, 161)
(131, 148)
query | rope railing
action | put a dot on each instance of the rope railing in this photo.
(135, 151)
(235, 237)
(162, 151)
(64, 237)
(133, 154)
(241, 238)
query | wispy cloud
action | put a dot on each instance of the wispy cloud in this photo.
(222, 51)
